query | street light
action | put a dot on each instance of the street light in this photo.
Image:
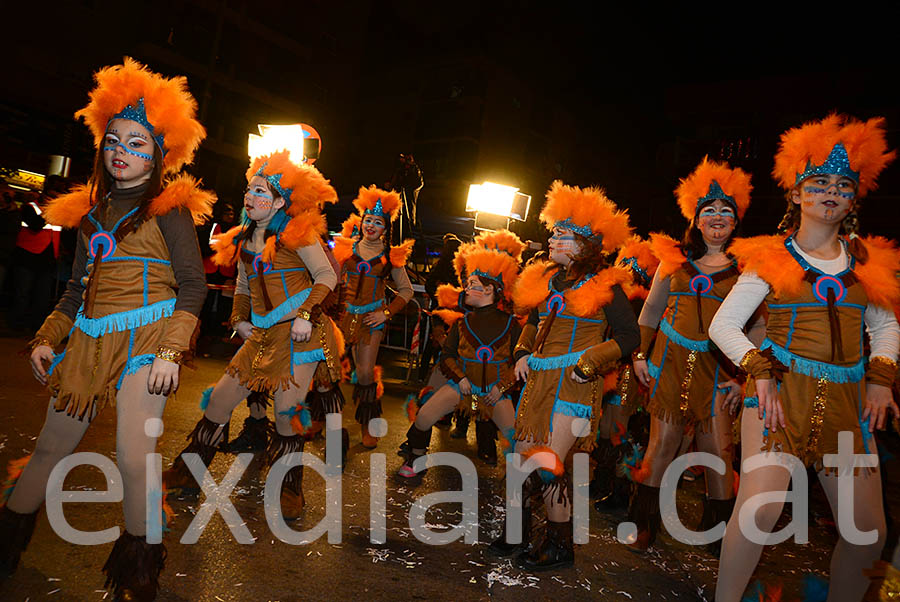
(495, 204)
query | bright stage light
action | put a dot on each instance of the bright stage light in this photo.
(275, 138)
(498, 199)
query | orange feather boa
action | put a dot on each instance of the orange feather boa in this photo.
(532, 288)
(668, 251)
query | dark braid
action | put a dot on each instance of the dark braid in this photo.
(791, 220)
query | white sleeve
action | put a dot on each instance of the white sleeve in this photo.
(241, 287)
(727, 327)
(884, 333)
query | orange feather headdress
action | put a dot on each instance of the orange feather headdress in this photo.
(302, 186)
(637, 255)
(501, 240)
(836, 145)
(712, 181)
(588, 212)
(374, 201)
(162, 105)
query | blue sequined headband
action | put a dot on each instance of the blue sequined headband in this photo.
(716, 194)
(482, 274)
(837, 163)
(139, 114)
(582, 230)
(378, 211)
(275, 181)
(632, 263)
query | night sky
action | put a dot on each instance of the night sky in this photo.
(650, 91)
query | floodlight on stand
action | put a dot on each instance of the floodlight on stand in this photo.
(300, 140)
(495, 204)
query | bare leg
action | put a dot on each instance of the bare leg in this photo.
(665, 442)
(848, 561)
(561, 441)
(286, 400)
(366, 354)
(718, 442)
(226, 396)
(443, 402)
(59, 437)
(740, 555)
(134, 407)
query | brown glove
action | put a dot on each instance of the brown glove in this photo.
(525, 344)
(317, 296)
(240, 310)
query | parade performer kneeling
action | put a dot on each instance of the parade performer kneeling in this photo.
(574, 301)
(128, 328)
(367, 260)
(477, 357)
(824, 288)
(283, 277)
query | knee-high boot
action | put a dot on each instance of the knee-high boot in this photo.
(715, 512)
(368, 406)
(203, 441)
(133, 568)
(644, 513)
(15, 533)
(292, 500)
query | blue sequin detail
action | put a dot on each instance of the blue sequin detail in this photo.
(570, 225)
(716, 193)
(632, 264)
(837, 163)
(751, 402)
(377, 211)
(275, 180)
(139, 114)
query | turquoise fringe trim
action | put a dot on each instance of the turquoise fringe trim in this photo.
(205, 397)
(308, 357)
(681, 340)
(476, 390)
(568, 408)
(364, 309)
(138, 362)
(653, 370)
(554, 362)
(815, 369)
(124, 320)
(751, 402)
(274, 317)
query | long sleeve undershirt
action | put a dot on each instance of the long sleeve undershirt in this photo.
(751, 290)
(177, 228)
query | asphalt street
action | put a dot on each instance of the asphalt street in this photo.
(217, 568)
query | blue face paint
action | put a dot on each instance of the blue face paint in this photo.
(817, 190)
(130, 151)
(726, 212)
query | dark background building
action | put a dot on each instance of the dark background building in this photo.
(518, 93)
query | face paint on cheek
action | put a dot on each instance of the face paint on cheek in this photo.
(808, 203)
(829, 213)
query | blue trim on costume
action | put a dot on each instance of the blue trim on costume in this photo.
(307, 357)
(715, 193)
(137, 362)
(681, 340)
(567, 408)
(816, 369)
(252, 275)
(275, 316)
(568, 224)
(751, 402)
(130, 258)
(124, 320)
(476, 390)
(275, 181)
(653, 369)
(56, 360)
(789, 245)
(364, 309)
(613, 400)
(553, 362)
(139, 114)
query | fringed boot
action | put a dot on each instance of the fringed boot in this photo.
(601, 483)
(461, 430)
(133, 568)
(368, 406)
(415, 440)
(501, 547)
(204, 440)
(619, 492)
(15, 533)
(715, 512)
(486, 438)
(556, 549)
(254, 436)
(292, 500)
(644, 513)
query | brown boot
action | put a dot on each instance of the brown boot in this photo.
(644, 513)
(133, 568)
(368, 406)
(204, 440)
(292, 500)
(368, 441)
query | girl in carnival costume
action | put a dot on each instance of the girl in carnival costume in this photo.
(367, 260)
(128, 328)
(283, 278)
(477, 357)
(690, 382)
(612, 489)
(574, 300)
(824, 287)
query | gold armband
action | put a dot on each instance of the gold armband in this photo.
(387, 313)
(304, 315)
(586, 368)
(881, 371)
(169, 354)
